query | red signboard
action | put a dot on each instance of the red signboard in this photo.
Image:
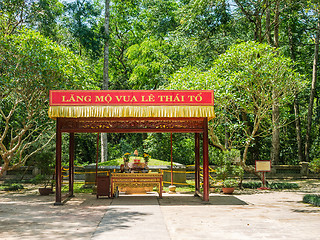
(130, 97)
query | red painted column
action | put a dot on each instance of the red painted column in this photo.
(171, 160)
(58, 163)
(197, 161)
(71, 164)
(205, 161)
(97, 159)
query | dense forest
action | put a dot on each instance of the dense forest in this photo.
(259, 56)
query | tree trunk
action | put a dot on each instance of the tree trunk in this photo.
(257, 32)
(276, 24)
(312, 92)
(106, 46)
(105, 85)
(296, 100)
(243, 161)
(226, 132)
(298, 127)
(268, 27)
(275, 149)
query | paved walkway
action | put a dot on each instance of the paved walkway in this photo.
(133, 217)
(269, 215)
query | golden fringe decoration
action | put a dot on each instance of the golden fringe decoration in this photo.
(130, 111)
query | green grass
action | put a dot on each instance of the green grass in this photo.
(77, 188)
(152, 162)
(313, 199)
(189, 188)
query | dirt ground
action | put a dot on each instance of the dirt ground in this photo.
(27, 215)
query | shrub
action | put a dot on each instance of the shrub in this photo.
(274, 185)
(251, 185)
(12, 187)
(282, 185)
(229, 183)
(315, 165)
(313, 199)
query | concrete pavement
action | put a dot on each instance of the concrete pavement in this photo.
(268, 215)
(133, 217)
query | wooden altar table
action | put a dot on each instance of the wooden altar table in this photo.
(134, 180)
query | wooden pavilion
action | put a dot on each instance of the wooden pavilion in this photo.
(125, 111)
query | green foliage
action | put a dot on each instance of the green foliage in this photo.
(244, 78)
(251, 185)
(37, 63)
(11, 187)
(313, 199)
(82, 21)
(227, 167)
(43, 179)
(77, 188)
(151, 162)
(152, 41)
(31, 65)
(158, 17)
(45, 161)
(315, 165)
(272, 185)
(282, 185)
(41, 15)
(14, 187)
(229, 183)
(150, 64)
(206, 29)
(158, 146)
(86, 148)
(190, 188)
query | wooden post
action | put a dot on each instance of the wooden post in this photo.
(171, 161)
(71, 164)
(58, 163)
(97, 159)
(197, 162)
(205, 161)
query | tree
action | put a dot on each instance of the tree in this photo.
(31, 65)
(206, 30)
(313, 82)
(254, 12)
(243, 79)
(158, 146)
(37, 14)
(81, 20)
(150, 64)
(105, 84)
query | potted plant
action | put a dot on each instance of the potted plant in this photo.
(46, 182)
(228, 171)
(44, 162)
(228, 185)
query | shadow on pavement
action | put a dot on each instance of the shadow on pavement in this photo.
(119, 219)
(191, 200)
(135, 200)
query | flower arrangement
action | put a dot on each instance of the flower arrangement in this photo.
(126, 157)
(136, 161)
(146, 157)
